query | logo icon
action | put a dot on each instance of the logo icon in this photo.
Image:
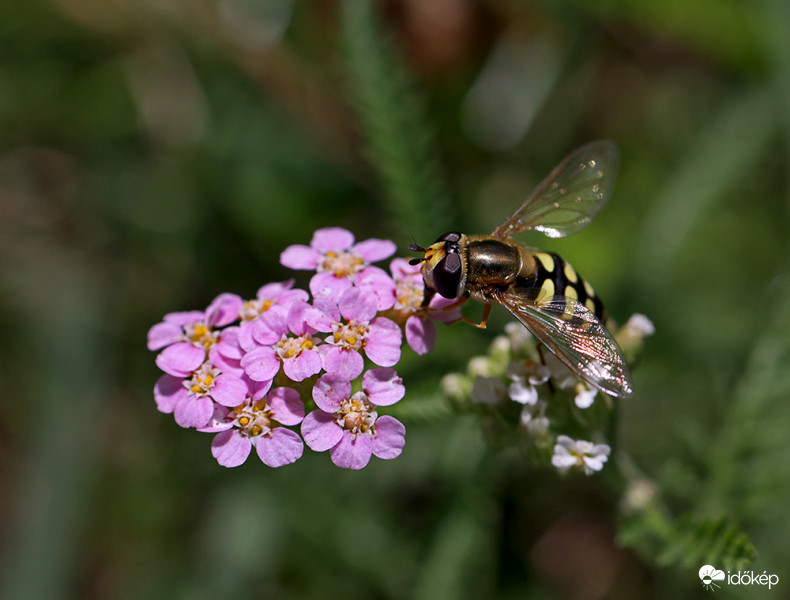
(709, 576)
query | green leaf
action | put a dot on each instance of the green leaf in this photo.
(688, 541)
(394, 125)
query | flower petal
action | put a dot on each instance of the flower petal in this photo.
(231, 366)
(374, 250)
(185, 317)
(332, 238)
(328, 308)
(261, 364)
(594, 463)
(193, 411)
(585, 397)
(439, 309)
(258, 389)
(523, 393)
(270, 325)
(420, 334)
(382, 386)
(230, 448)
(279, 447)
(390, 437)
(302, 317)
(229, 390)
(326, 285)
(299, 257)
(320, 431)
(352, 452)
(163, 334)
(217, 422)
(228, 343)
(180, 359)
(375, 282)
(382, 344)
(287, 407)
(563, 461)
(329, 392)
(245, 339)
(354, 304)
(306, 364)
(274, 290)
(223, 310)
(401, 269)
(167, 392)
(341, 363)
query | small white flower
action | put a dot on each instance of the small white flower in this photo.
(632, 335)
(534, 372)
(455, 386)
(480, 366)
(585, 395)
(639, 495)
(488, 390)
(640, 325)
(533, 420)
(522, 392)
(569, 453)
(525, 375)
(500, 346)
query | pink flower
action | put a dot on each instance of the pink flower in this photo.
(226, 352)
(187, 337)
(271, 295)
(280, 337)
(348, 425)
(340, 263)
(255, 423)
(379, 337)
(419, 324)
(191, 399)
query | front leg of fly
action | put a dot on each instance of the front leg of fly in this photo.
(427, 295)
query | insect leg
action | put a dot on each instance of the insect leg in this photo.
(427, 296)
(483, 321)
(543, 362)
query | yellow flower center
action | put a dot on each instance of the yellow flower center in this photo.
(408, 296)
(289, 347)
(341, 264)
(351, 335)
(253, 419)
(202, 380)
(357, 415)
(199, 334)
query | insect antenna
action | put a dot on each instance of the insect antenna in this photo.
(416, 248)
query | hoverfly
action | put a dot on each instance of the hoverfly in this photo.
(539, 288)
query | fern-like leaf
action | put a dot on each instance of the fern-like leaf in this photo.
(394, 124)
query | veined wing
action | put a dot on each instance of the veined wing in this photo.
(570, 196)
(575, 335)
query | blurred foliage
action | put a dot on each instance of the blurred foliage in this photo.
(153, 155)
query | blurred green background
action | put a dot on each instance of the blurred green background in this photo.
(155, 154)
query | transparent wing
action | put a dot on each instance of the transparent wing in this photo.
(570, 196)
(576, 336)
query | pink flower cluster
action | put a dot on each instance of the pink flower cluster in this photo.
(240, 368)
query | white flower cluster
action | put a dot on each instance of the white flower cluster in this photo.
(552, 399)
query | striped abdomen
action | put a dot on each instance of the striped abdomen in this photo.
(555, 277)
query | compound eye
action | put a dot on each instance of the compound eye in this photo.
(447, 276)
(450, 236)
